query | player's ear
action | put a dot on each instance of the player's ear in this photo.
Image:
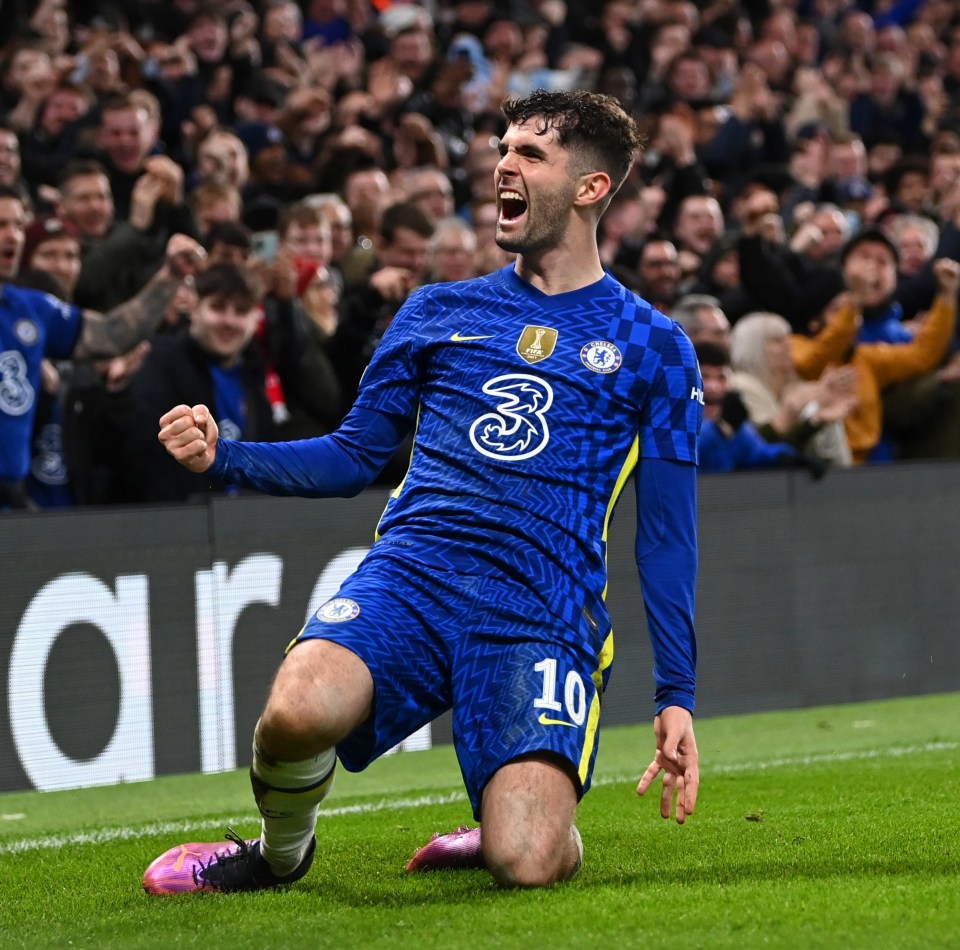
(592, 187)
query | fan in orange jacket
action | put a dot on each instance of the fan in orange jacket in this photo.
(878, 364)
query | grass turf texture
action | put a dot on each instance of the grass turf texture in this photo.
(832, 827)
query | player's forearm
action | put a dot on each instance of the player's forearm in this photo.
(118, 331)
(338, 465)
(666, 552)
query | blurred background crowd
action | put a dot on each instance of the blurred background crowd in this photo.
(796, 209)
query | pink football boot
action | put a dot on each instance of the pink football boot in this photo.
(452, 851)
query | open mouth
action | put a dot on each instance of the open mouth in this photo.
(8, 259)
(512, 206)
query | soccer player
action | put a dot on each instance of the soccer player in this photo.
(535, 391)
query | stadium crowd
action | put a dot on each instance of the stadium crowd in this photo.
(252, 189)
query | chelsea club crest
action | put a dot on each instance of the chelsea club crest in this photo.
(338, 610)
(601, 357)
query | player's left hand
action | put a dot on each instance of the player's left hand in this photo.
(678, 759)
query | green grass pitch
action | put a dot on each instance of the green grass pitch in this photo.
(832, 827)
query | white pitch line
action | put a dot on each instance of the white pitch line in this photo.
(106, 835)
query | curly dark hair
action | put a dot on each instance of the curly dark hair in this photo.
(592, 126)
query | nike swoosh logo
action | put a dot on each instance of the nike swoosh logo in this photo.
(457, 338)
(555, 722)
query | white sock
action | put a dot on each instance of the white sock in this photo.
(288, 795)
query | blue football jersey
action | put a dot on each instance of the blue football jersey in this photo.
(531, 411)
(32, 325)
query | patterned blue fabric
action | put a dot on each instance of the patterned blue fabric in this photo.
(518, 456)
(518, 680)
(32, 325)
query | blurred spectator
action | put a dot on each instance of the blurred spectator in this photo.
(846, 158)
(229, 242)
(658, 273)
(325, 21)
(213, 203)
(871, 258)
(774, 277)
(750, 134)
(878, 364)
(699, 223)
(85, 198)
(392, 78)
(452, 251)
(52, 245)
(27, 78)
(80, 418)
(298, 392)
(401, 266)
(889, 105)
(281, 33)
(621, 223)
(272, 183)
(815, 104)
(671, 165)
(719, 276)
(119, 256)
(225, 54)
(312, 391)
(304, 121)
(52, 140)
(916, 239)
(367, 192)
(42, 326)
(728, 440)
(47, 483)
(883, 153)
(413, 142)
(128, 135)
(10, 159)
(944, 171)
(213, 362)
(482, 217)
(702, 319)
(303, 231)
(430, 188)
(479, 165)
(907, 187)
(821, 234)
(340, 219)
(221, 157)
(807, 415)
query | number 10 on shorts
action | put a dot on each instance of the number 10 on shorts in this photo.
(574, 695)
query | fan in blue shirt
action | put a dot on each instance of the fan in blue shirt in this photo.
(34, 325)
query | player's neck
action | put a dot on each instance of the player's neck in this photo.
(560, 270)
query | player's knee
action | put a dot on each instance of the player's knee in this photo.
(526, 863)
(284, 733)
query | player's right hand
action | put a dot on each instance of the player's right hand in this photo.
(190, 436)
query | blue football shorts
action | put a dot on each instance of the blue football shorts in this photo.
(518, 679)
